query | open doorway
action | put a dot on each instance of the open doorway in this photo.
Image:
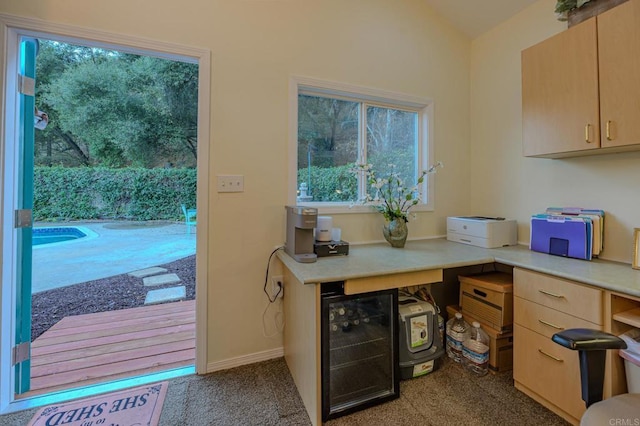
(115, 154)
(131, 50)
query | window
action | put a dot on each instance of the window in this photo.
(339, 126)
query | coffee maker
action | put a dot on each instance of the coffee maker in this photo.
(300, 224)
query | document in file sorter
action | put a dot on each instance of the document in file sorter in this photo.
(561, 236)
(597, 222)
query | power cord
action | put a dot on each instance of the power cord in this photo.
(278, 321)
(266, 278)
(279, 315)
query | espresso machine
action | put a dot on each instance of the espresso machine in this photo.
(300, 224)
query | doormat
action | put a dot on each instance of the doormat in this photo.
(135, 406)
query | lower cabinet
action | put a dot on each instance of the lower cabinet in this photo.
(544, 305)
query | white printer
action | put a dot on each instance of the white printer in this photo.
(487, 232)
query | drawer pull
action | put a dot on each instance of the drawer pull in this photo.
(550, 356)
(550, 325)
(557, 296)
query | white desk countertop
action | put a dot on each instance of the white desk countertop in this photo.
(381, 259)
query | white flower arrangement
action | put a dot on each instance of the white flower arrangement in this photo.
(392, 197)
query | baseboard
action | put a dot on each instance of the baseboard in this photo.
(245, 359)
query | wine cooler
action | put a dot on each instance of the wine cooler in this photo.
(360, 366)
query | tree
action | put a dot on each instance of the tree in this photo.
(113, 109)
(327, 131)
(53, 145)
(180, 84)
(391, 140)
(329, 137)
(92, 103)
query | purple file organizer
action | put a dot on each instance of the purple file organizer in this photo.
(561, 236)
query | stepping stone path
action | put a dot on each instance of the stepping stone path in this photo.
(170, 294)
(161, 280)
(147, 272)
(156, 276)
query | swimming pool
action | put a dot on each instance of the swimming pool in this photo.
(50, 235)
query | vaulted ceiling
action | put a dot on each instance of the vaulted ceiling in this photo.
(475, 17)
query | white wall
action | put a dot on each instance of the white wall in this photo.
(505, 182)
(256, 46)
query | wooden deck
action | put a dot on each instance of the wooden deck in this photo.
(87, 349)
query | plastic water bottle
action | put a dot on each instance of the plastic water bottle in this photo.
(457, 334)
(476, 350)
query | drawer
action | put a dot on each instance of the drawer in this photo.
(562, 295)
(386, 282)
(546, 321)
(548, 369)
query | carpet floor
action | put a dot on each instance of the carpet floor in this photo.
(264, 394)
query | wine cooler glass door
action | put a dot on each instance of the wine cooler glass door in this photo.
(359, 354)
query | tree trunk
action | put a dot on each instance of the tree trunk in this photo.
(192, 144)
(49, 159)
(84, 159)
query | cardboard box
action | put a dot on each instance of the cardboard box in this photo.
(501, 343)
(488, 297)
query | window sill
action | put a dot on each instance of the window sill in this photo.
(350, 208)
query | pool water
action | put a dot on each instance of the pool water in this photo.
(42, 236)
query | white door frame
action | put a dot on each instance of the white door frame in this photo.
(11, 29)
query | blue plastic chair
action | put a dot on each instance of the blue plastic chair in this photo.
(189, 217)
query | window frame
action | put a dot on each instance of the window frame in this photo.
(369, 97)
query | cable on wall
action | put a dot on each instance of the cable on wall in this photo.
(279, 315)
(266, 277)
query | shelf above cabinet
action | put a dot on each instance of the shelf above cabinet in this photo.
(630, 317)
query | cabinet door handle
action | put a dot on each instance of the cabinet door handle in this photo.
(586, 133)
(557, 327)
(608, 130)
(550, 356)
(557, 296)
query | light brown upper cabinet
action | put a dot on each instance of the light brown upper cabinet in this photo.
(619, 59)
(581, 90)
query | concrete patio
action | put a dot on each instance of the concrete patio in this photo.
(116, 248)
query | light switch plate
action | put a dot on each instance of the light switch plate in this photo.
(230, 183)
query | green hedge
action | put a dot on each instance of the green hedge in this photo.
(330, 184)
(101, 193)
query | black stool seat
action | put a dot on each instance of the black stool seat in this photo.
(584, 339)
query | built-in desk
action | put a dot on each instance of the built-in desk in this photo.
(377, 266)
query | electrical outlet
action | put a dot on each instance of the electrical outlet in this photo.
(277, 287)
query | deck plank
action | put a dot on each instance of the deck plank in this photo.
(81, 324)
(104, 370)
(85, 325)
(83, 332)
(142, 334)
(83, 363)
(92, 348)
(148, 311)
(82, 352)
(109, 316)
